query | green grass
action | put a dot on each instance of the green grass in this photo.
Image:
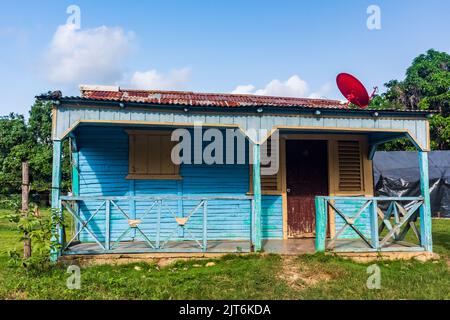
(232, 277)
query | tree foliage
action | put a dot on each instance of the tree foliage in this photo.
(22, 140)
(425, 87)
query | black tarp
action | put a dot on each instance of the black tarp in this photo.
(396, 174)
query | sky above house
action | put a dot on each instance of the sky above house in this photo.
(282, 48)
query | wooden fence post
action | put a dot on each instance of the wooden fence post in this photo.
(25, 207)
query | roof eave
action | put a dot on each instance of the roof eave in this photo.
(250, 108)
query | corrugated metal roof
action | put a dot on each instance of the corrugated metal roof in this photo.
(201, 99)
(108, 94)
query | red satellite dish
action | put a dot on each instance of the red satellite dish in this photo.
(353, 90)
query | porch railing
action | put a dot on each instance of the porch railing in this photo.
(365, 224)
(163, 224)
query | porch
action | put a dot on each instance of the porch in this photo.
(395, 225)
(159, 230)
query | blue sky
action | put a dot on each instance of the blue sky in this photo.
(211, 46)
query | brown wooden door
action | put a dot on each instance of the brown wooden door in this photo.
(307, 177)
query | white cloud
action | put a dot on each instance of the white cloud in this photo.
(292, 87)
(152, 79)
(87, 55)
(244, 89)
(323, 92)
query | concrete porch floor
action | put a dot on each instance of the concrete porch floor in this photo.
(290, 246)
(283, 247)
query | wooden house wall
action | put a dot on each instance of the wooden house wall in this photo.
(103, 161)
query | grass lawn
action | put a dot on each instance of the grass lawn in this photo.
(245, 277)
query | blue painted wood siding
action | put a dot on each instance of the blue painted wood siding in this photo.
(103, 160)
(350, 208)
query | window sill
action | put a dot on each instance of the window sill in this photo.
(153, 177)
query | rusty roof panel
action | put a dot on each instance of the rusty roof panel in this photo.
(204, 99)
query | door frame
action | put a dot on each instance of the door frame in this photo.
(332, 175)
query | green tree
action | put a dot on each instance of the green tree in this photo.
(29, 141)
(13, 150)
(41, 153)
(425, 87)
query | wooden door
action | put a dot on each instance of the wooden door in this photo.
(306, 178)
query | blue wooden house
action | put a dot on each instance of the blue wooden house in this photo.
(128, 194)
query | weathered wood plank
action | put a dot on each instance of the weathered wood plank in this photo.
(56, 192)
(69, 116)
(257, 196)
(425, 209)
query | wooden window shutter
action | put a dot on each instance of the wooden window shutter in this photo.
(350, 166)
(269, 183)
(150, 156)
(140, 154)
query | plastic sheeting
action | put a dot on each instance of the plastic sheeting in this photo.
(396, 174)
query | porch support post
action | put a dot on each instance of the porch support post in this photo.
(257, 197)
(321, 224)
(75, 168)
(57, 232)
(425, 209)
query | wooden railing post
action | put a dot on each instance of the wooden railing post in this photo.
(257, 197)
(75, 167)
(75, 170)
(321, 224)
(57, 232)
(158, 225)
(374, 225)
(132, 204)
(205, 226)
(108, 225)
(425, 209)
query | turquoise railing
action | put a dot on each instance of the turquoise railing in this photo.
(370, 224)
(157, 209)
